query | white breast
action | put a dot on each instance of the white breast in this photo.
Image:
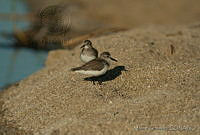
(94, 73)
(86, 58)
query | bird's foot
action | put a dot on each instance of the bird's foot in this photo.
(93, 82)
(99, 82)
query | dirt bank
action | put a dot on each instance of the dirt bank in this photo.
(158, 94)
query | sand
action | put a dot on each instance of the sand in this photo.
(90, 15)
(154, 88)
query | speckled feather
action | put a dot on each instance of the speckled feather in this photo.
(96, 64)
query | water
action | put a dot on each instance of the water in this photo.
(16, 64)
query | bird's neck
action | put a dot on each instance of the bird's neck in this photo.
(106, 62)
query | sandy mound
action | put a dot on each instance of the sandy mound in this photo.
(158, 94)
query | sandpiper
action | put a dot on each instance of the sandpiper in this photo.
(88, 53)
(96, 67)
(55, 18)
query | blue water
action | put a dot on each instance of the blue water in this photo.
(7, 5)
(16, 64)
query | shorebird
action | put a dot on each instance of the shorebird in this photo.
(88, 53)
(96, 67)
(55, 18)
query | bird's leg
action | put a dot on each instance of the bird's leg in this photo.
(93, 82)
(100, 82)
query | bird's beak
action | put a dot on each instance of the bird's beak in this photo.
(113, 59)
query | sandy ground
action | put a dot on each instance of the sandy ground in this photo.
(87, 16)
(129, 13)
(153, 89)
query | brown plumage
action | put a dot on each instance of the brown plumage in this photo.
(96, 64)
(96, 67)
(55, 18)
(88, 52)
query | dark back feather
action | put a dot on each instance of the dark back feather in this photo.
(96, 64)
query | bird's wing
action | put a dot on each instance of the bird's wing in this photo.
(96, 64)
(95, 52)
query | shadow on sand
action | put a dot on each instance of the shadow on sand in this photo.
(110, 75)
